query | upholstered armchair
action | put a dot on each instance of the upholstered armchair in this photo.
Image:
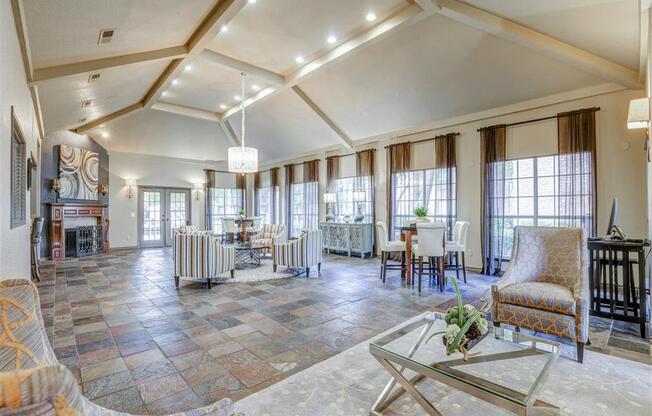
(269, 235)
(200, 256)
(32, 382)
(545, 287)
(302, 253)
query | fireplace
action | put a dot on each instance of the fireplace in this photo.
(84, 241)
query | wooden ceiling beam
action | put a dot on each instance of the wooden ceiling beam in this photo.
(109, 117)
(218, 58)
(42, 75)
(522, 35)
(344, 138)
(186, 111)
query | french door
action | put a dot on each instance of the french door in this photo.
(160, 211)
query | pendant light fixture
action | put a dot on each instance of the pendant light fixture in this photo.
(243, 159)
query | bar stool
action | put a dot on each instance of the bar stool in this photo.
(386, 247)
(458, 245)
(431, 246)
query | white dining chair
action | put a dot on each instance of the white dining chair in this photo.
(228, 228)
(387, 247)
(431, 247)
(458, 245)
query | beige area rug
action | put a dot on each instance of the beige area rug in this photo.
(349, 383)
(260, 273)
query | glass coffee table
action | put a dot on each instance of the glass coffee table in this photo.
(248, 254)
(506, 368)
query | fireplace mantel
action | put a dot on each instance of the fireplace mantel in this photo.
(60, 211)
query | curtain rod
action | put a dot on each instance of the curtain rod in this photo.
(301, 163)
(219, 171)
(534, 120)
(424, 140)
(349, 154)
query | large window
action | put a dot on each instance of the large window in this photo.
(423, 188)
(536, 193)
(305, 207)
(225, 202)
(345, 189)
(265, 201)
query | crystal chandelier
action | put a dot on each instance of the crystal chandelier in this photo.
(243, 159)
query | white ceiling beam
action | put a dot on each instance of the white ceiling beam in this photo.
(42, 75)
(346, 140)
(109, 117)
(514, 32)
(266, 92)
(219, 59)
(186, 111)
(230, 133)
(408, 15)
(220, 15)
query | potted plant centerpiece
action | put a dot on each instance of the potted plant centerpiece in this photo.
(465, 326)
(242, 214)
(421, 215)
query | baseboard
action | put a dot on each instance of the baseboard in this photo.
(124, 248)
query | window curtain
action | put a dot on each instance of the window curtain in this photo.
(256, 190)
(577, 170)
(364, 166)
(311, 193)
(332, 173)
(289, 181)
(398, 160)
(493, 198)
(210, 189)
(273, 181)
(241, 184)
(446, 161)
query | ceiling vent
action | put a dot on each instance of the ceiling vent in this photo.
(106, 36)
(87, 103)
(93, 77)
(82, 120)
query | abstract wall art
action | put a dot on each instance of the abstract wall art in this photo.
(78, 173)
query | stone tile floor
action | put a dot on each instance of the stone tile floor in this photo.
(137, 344)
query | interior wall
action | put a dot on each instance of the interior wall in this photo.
(621, 162)
(14, 242)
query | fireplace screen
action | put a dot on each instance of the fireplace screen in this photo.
(84, 241)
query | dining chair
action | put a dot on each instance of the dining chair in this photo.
(228, 229)
(458, 245)
(430, 246)
(387, 247)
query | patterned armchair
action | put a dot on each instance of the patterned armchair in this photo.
(545, 287)
(301, 253)
(200, 256)
(32, 382)
(269, 235)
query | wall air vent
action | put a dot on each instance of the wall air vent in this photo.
(82, 120)
(93, 77)
(106, 35)
(87, 103)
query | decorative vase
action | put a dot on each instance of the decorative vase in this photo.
(419, 219)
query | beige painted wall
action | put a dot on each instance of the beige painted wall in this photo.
(14, 242)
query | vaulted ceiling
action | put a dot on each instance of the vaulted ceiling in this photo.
(320, 73)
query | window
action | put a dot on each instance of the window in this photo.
(18, 209)
(536, 194)
(225, 202)
(423, 188)
(305, 207)
(265, 202)
(346, 204)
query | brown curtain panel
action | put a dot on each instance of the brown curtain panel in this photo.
(577, 170)
(493, 198)
(446, 159)
(289, 180)
(273, 181)
(256, 189)
(332, 173)
(210, 190)
(311, 171)
(365, 166)
(241, 184)
(398, 160)
(311, 193)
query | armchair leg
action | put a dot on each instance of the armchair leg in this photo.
(464, 267)
(208, 283)
(497, 324)
(383, 267)
(307, 271)
(176, 281)
(318, 268)
(274, 268)
(420, 271)
(457, 266)
(580, 352)
(232, 274)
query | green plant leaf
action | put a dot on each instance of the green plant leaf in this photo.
(456, 342)
(460, 304)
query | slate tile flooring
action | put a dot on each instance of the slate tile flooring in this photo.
(137, 344)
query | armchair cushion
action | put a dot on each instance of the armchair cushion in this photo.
(543, 296)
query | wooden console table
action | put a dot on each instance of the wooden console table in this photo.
(59, 212)
(348, 237)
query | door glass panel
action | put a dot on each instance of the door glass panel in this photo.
(151, 215)
(177, 210)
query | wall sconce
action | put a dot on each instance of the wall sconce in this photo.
(197, 189)
(56, 185)
(638, 117)
(330, 198)
(131, 187)
(103, 189)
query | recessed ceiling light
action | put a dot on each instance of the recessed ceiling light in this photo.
(299, 59)
(164, 93)
(223, 106)
(237, 97)
(105, 135)
(225, 28)
(188, 68)
(255, 87)
(331, 39)
(175, 82)
(371, 17)
(252, 1)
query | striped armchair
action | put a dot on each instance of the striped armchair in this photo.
(301, 253)
(269, 235)
(200, 256)
(32, 382)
